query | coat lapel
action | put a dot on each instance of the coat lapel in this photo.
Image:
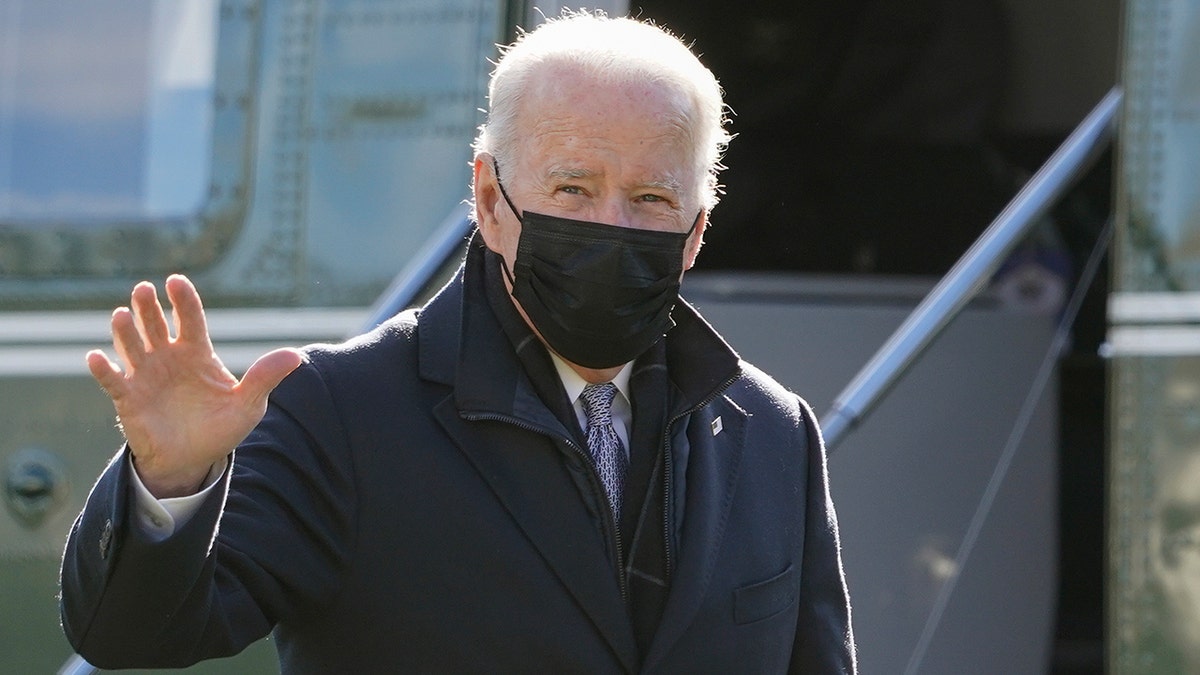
(716, 437)
(544, 501)
(506, 431)
(463, 345)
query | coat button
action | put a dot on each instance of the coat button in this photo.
(106, 539)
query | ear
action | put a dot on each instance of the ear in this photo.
(486, 190)
(695, 241)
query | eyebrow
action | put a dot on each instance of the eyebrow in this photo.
(665, 184)
(560, 173)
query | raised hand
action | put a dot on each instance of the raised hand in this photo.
(180, 409)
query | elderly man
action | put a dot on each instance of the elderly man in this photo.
(554, 466)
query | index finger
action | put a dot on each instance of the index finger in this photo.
(190, 324)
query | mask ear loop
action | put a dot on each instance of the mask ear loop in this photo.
(503, 263)
(496, 169)
(507, 272)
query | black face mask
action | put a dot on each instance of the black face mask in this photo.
(599, 294)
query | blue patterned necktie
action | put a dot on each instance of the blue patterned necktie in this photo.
(609, 455)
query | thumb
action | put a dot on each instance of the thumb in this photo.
(267, 372)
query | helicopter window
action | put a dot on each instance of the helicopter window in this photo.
(104, 108)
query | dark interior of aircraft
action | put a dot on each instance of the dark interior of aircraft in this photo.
(872, 139)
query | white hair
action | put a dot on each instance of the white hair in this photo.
(611, 50)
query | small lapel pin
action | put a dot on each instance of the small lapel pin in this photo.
(716, 426)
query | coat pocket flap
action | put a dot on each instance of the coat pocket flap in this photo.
(765, 598)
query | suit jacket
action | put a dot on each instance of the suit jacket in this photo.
(409, 504)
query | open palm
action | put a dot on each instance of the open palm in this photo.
(181, 410)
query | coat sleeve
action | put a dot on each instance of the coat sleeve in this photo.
(824, 634)
(276, 535)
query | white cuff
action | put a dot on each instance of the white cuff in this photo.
(159, 518)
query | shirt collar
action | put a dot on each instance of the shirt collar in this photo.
(574, 384)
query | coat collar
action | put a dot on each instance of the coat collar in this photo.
(463, 343)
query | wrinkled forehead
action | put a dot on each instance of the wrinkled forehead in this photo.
(629, 107)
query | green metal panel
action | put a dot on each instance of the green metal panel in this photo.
(65, 422)
(1154, 337)
(340, 137)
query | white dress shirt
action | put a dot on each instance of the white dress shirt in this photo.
(622, 410)
(158, 518)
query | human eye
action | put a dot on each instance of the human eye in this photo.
(655, 200)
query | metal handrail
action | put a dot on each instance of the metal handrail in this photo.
(972, 270)
(407, 285)
(77, 665)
